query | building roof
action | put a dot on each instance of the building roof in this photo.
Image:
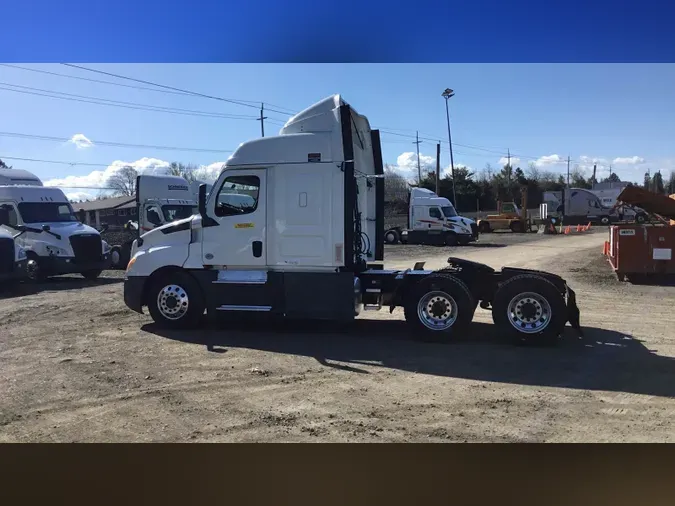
(109, 203)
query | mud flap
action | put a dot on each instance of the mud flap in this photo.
(573, 313)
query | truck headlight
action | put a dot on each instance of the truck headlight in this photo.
(21, 253)
(106, 247)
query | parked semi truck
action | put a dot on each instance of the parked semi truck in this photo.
(13, 257)
(432, 220)
(159, 200)
(43, 223)
(310, 245)
(578, 206)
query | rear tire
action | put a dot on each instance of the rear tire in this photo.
(439, 308)
(529, 309)
(484, 227)
(92, 275)
(605, 220)
(517, 227)
(176, 301)
(391, 237)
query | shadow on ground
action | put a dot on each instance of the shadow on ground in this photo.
(55, 284)
(601, 360)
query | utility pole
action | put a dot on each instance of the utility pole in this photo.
(446, 95)
(438, 168)
(568, 171)
(419, 168)
(262, 119)
(508, 164)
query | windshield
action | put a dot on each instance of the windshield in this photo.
(449, 211)
(46, 212)
(178, 212)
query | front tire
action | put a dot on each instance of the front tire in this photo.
(176, 301)
(34, 270)
(517, 227)
(451, 240)
(91, 275)
(605, 220)
(640, 218)
(529, 309)
(116, 257)
(439, 308)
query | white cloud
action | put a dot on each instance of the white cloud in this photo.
(87, 185)
(514, 161)
(80, 141)
(628, 160)
(549, 160)
(406, 165)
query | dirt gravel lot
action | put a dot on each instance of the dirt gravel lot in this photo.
(76, 365)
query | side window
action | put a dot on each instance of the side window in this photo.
(435, 212)
(13, 219)
(238, 195)
(152, 215)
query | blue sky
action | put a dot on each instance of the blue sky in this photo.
(619, 114)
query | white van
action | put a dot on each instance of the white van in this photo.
(43, 223)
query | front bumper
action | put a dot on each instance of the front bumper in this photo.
(20, 272)
(134, 287)
(573, 312)
(54, 265)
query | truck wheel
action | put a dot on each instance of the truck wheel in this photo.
(91, 275)
(640, 218)
(451, 240)
(529, 309)
(517, 227)
(176, 301)
(34, 270)
(484, 227)
(116, 257)
(605, 220)
(391, 237)
(439, 307)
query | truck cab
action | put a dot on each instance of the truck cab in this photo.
(578, 206)
(432, 220)
(43, 223)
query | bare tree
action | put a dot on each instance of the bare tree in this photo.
(533, 172)
(123, 182)
(186, 171)
(395, 185)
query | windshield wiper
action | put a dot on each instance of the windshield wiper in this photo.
(24, 228)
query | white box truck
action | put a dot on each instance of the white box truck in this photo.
(309, 244)
(48, 230)
(432, 220)
(159, 200)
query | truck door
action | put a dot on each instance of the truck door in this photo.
(237, 238)
(436, 218)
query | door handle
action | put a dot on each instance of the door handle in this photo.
(257, 248)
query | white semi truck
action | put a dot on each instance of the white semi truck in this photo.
(432, 220)
(159, 200)
(309, 244)
(578, 206)
(43, 223)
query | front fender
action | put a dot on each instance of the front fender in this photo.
(146, 261)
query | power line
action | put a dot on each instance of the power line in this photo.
(172, 88)
(113, 144)
(119, 103)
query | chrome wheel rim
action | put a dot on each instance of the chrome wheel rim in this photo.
(437, 310)
(115, 257)
(529, 313)
(173, 302)
(32, 268)
(390, 237)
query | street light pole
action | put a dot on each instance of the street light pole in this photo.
(446, 95)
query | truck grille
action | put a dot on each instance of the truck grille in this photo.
(87, 248)
(6, 255)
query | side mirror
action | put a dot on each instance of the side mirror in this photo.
(201, 200)
(46, 228)
(4, 215)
